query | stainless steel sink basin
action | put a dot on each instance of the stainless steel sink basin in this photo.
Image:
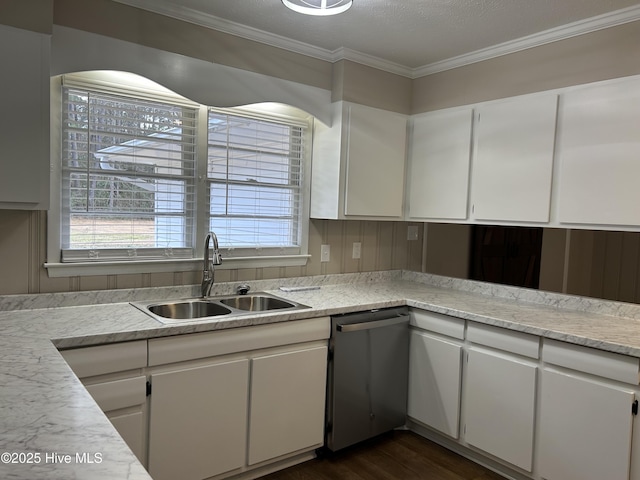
(227, 306)
(188, 309)
(256, 303)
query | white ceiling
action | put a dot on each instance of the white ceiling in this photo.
(408, 36)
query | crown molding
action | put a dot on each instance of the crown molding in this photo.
(370, 61)
(225, 26)
(573, 29)
(563, 32)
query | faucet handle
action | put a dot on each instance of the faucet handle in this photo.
(243, 289)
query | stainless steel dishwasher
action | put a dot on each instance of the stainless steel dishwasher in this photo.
(367, 375)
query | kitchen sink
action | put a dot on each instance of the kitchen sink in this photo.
(256, 303)
(188, 309)
(226, 306)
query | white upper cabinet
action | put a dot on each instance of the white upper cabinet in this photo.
(439, 156)
(513, 162)
(359, 164)
(599, 154)
(24, 124)
(564, 158)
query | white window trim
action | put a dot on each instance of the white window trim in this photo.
(56, 269)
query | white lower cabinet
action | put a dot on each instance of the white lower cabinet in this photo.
(220, 403)
(435, 368)
(530, 407)
(499, 400)
(124, 403)
(585, 429)
(287, 403)
(247, 401)
(224, 403)
(500, 406)
(586, 418)
(113, 375)
(213, 419)
(434, 382)
(198, 421)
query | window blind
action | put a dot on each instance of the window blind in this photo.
(129, 174)
(255, 178)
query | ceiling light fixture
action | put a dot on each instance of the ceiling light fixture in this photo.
(318, 7)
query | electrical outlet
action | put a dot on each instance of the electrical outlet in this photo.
(357, 250)
(325, 253)
(412, 232)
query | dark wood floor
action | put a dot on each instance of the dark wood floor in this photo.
(400, 455)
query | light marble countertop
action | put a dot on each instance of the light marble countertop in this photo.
(44, 408)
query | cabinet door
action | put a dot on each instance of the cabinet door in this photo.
(499, 406)
(440, 151)
(599, 154)
(24, 124)
(198, 421)
(434, 382)
(287, 403)
(585, 429)
(131, 427)
(376, 148)
(513, 164)
(124, 402)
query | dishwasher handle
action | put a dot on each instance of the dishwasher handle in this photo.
(387, 322)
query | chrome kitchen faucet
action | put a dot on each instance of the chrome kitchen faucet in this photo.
(209, 264)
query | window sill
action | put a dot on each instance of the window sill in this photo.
(80, 269)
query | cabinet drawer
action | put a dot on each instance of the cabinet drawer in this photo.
(438, 323)
(119, 393)
(116, 357)
(503, 339)
(610, 365)
(223, 342)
